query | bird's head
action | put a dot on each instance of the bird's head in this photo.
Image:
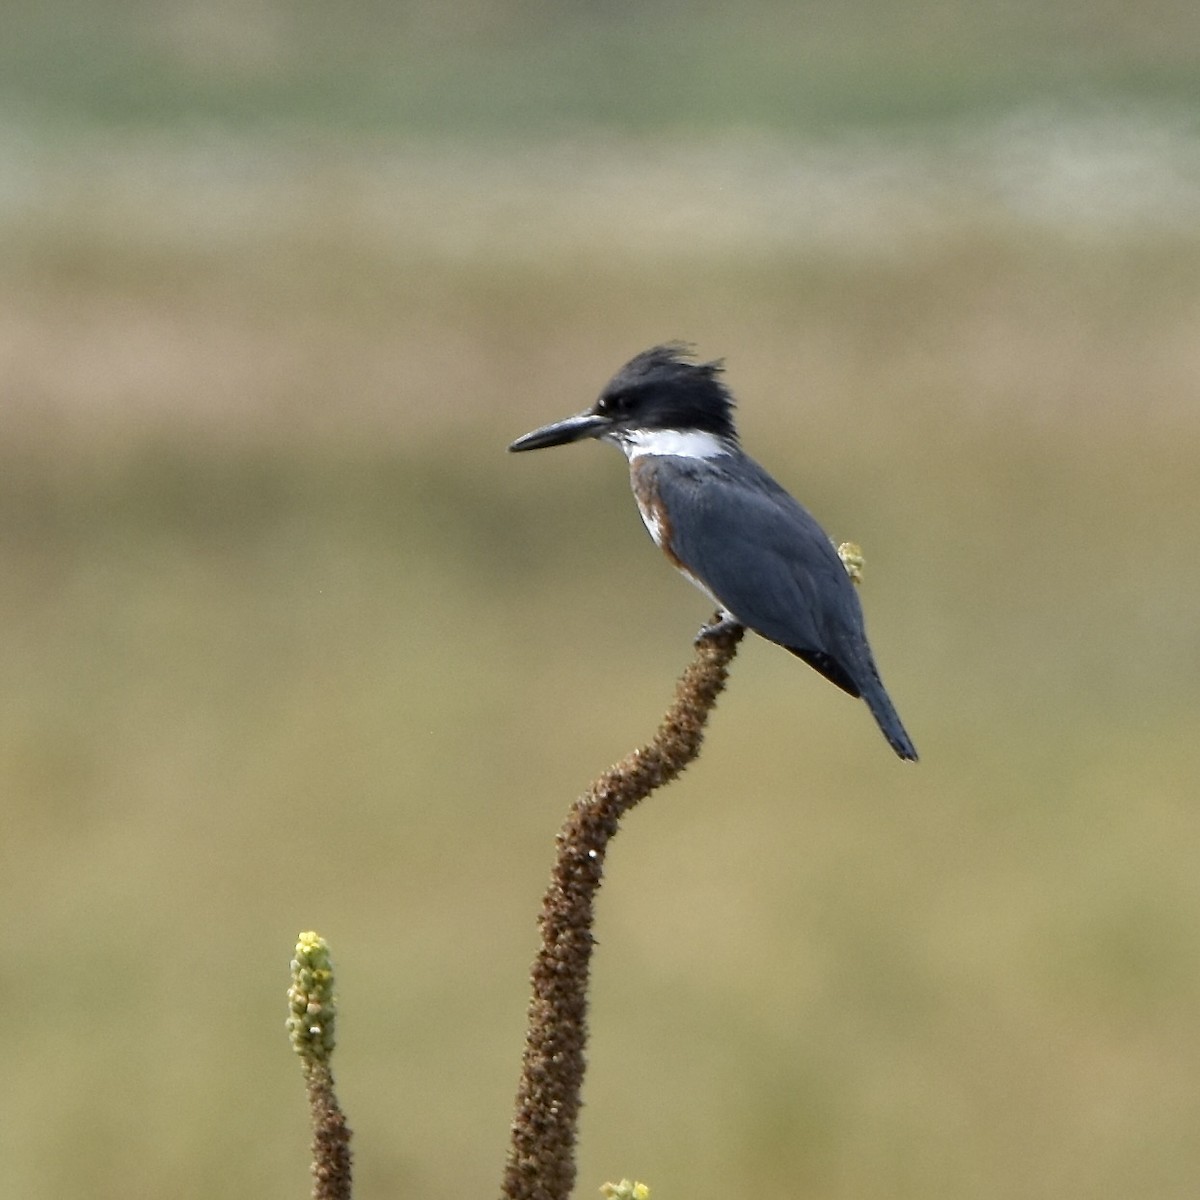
(662, 391)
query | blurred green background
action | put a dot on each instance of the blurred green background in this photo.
(287, 641)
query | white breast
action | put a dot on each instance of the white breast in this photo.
(679, 443)
(652, 523)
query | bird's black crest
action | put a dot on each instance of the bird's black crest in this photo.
(665, 388)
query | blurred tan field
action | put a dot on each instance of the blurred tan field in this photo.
(289, 642)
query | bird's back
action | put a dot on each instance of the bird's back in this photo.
(765, 558)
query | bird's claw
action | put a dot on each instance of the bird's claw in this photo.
(724, 625)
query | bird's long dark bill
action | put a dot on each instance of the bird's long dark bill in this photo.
(573, 429)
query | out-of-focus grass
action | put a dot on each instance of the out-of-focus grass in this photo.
(446, 69)
(290, 643)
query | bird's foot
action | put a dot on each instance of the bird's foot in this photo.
(725, 624)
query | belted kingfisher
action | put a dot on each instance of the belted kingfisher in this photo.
(726, 524)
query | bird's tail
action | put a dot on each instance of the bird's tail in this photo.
(888, 719)
(864, 682)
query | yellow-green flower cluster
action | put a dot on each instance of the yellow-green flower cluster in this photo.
(625, 1190)
(311, 1002)
(852, 559)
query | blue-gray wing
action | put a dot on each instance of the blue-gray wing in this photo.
(772, 566)
(765, 558)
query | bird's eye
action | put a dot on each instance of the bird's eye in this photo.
(614, 405)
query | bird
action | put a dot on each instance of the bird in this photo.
(725, 523)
